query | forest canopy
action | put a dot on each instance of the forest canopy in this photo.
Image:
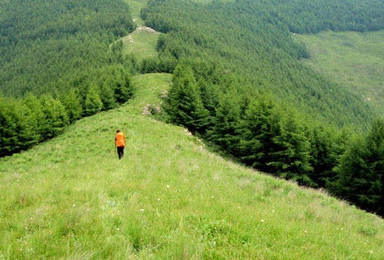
(46, 42)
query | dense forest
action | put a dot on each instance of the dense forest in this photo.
(304, 16)
(250, 42)
(58, 64)
(43, 43)
(240, 86)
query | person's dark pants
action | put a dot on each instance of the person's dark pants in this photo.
(120, 152)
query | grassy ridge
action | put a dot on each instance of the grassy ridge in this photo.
(354, 60)
(141, 43)
(168, 198)
(135, 7)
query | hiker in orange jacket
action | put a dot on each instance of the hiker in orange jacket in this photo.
(120, 143)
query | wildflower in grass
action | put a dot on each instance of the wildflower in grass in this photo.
(262, 221)
(158, 199)
(142, 210)
(168, 186)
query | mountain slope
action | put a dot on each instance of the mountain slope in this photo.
(354, 60)
(168, 198)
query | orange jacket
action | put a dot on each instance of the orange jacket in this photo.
(120, 139)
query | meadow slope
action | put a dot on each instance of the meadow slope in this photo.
(169, 198)
(354, 60)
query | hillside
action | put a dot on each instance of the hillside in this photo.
(168, 198)
(354, 60)
(252, 41)
(171, 197)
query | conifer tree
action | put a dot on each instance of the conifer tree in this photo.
(35, 105)
(184, 105)
(107, 97)
(291, 158)
(93, 103)
(361, 171)
(56, 117)
(8, 126)
(72, 103)
(326, 145)
(26, 127)
(122, 84)
(210, 96)
(259, 127)
(224, 131)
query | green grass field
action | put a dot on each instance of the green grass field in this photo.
(169, 198)
(354, 60)
(135, 7)
(141, 43)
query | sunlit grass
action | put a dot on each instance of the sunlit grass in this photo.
(354, 60)
(141, 43)
(169, 198)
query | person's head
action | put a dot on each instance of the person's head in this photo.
(117, 131)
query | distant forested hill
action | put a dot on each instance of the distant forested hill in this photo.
(44, 44)
(253, 41)
(303, 16)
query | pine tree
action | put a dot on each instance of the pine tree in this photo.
(8, 126)
(93, 103)
(224, 131)
(72, 103)
(36, 107)
(258, 128)
(26, 127)
(291, 158)
(184, 105)
(107, 97)
(361, 170)
(56, 117)
(326, 145)
(122, 84)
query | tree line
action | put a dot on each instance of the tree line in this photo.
(33, 119)
(273, 138)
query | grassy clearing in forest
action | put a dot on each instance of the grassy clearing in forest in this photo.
(169, 198)
(135, 7)
(141, 43)
(352, 59)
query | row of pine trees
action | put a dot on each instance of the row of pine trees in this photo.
(25, 122)
(274, 139)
